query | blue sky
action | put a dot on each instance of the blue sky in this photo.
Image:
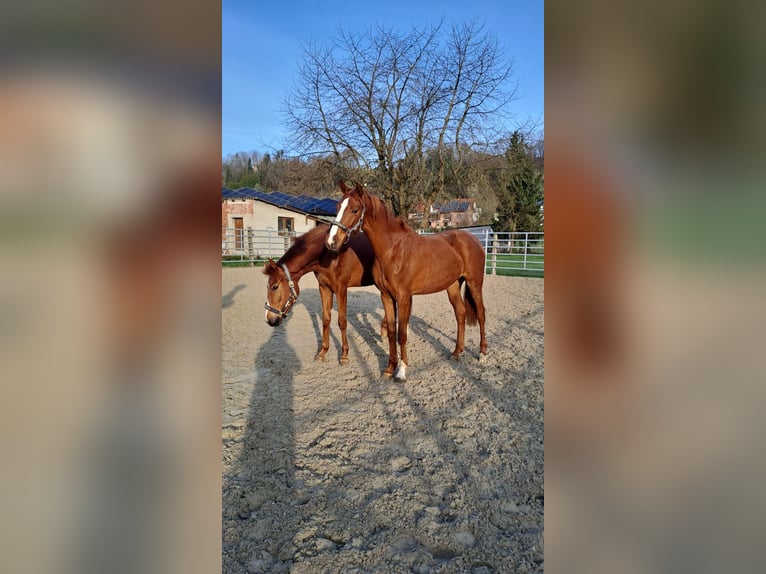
(262, 46)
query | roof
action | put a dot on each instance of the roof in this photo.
(454, 205)
(301, 203)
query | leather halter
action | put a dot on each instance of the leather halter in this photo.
(352, 229)
(282, 313)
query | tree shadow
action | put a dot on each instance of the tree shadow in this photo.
(228, 299)
(358, 313)
(261, 484)
(312, 302)
(367, 324)
(365, 313)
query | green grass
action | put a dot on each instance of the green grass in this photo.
(237, 261)
(534, 267)
(518, 273)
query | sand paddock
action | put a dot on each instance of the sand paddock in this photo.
(331, 468)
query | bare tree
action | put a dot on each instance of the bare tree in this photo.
(399, 110)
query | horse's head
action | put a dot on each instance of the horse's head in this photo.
(349, 216)
(281, 292)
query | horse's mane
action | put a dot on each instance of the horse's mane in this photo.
(312, 240)
(382, 212)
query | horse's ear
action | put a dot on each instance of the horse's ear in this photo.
(343, 187)
(269, 266)
(359, 189)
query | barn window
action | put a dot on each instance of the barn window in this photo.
(285, 225)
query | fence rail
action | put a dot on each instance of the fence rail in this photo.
(507, 253)
(251, 245)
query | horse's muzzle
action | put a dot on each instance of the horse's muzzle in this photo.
(333, 242)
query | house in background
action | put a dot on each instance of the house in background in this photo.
(453, 213)
(251, 209)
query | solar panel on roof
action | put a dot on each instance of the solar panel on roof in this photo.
(313, 204)
(327, 206)
(269, 198)
(304, 203)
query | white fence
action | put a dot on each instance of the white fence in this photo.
(515, 251)
(509, 253)
(520, 252)
(251, 245)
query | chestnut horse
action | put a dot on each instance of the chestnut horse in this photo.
(409, 264)
(335, 273)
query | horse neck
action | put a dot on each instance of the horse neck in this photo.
(301, 261)
(379, 224)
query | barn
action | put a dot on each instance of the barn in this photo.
(251, 208)
(248, 212)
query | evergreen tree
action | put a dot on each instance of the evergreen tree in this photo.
(520, 200)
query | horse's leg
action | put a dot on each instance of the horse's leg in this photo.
(389, 312)
(326, 296)
(404, 306)
(342, 296)
(478, 297)
(453, 292)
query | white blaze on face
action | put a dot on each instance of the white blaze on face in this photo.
(334, 228)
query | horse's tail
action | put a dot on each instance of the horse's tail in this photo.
(471, 313)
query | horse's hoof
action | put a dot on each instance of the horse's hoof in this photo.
(482, 357)
(343, 360)
(455, 357)
(320, 358)
(387, 375)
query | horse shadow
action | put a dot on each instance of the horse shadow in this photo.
(263, 477)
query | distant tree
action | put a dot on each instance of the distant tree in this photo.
(398, 110)
(520, 198)
(235, 167)
(251, 180)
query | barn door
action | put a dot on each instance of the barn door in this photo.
(239, 237)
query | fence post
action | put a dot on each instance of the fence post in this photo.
(493, 259)
(526, 248)
(250, 252)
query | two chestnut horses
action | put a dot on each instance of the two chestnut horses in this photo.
(408, 264)
(335, 273)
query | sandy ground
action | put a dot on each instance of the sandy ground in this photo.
(331, 468)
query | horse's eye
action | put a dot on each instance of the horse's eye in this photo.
(355, 210)
(274, 287)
